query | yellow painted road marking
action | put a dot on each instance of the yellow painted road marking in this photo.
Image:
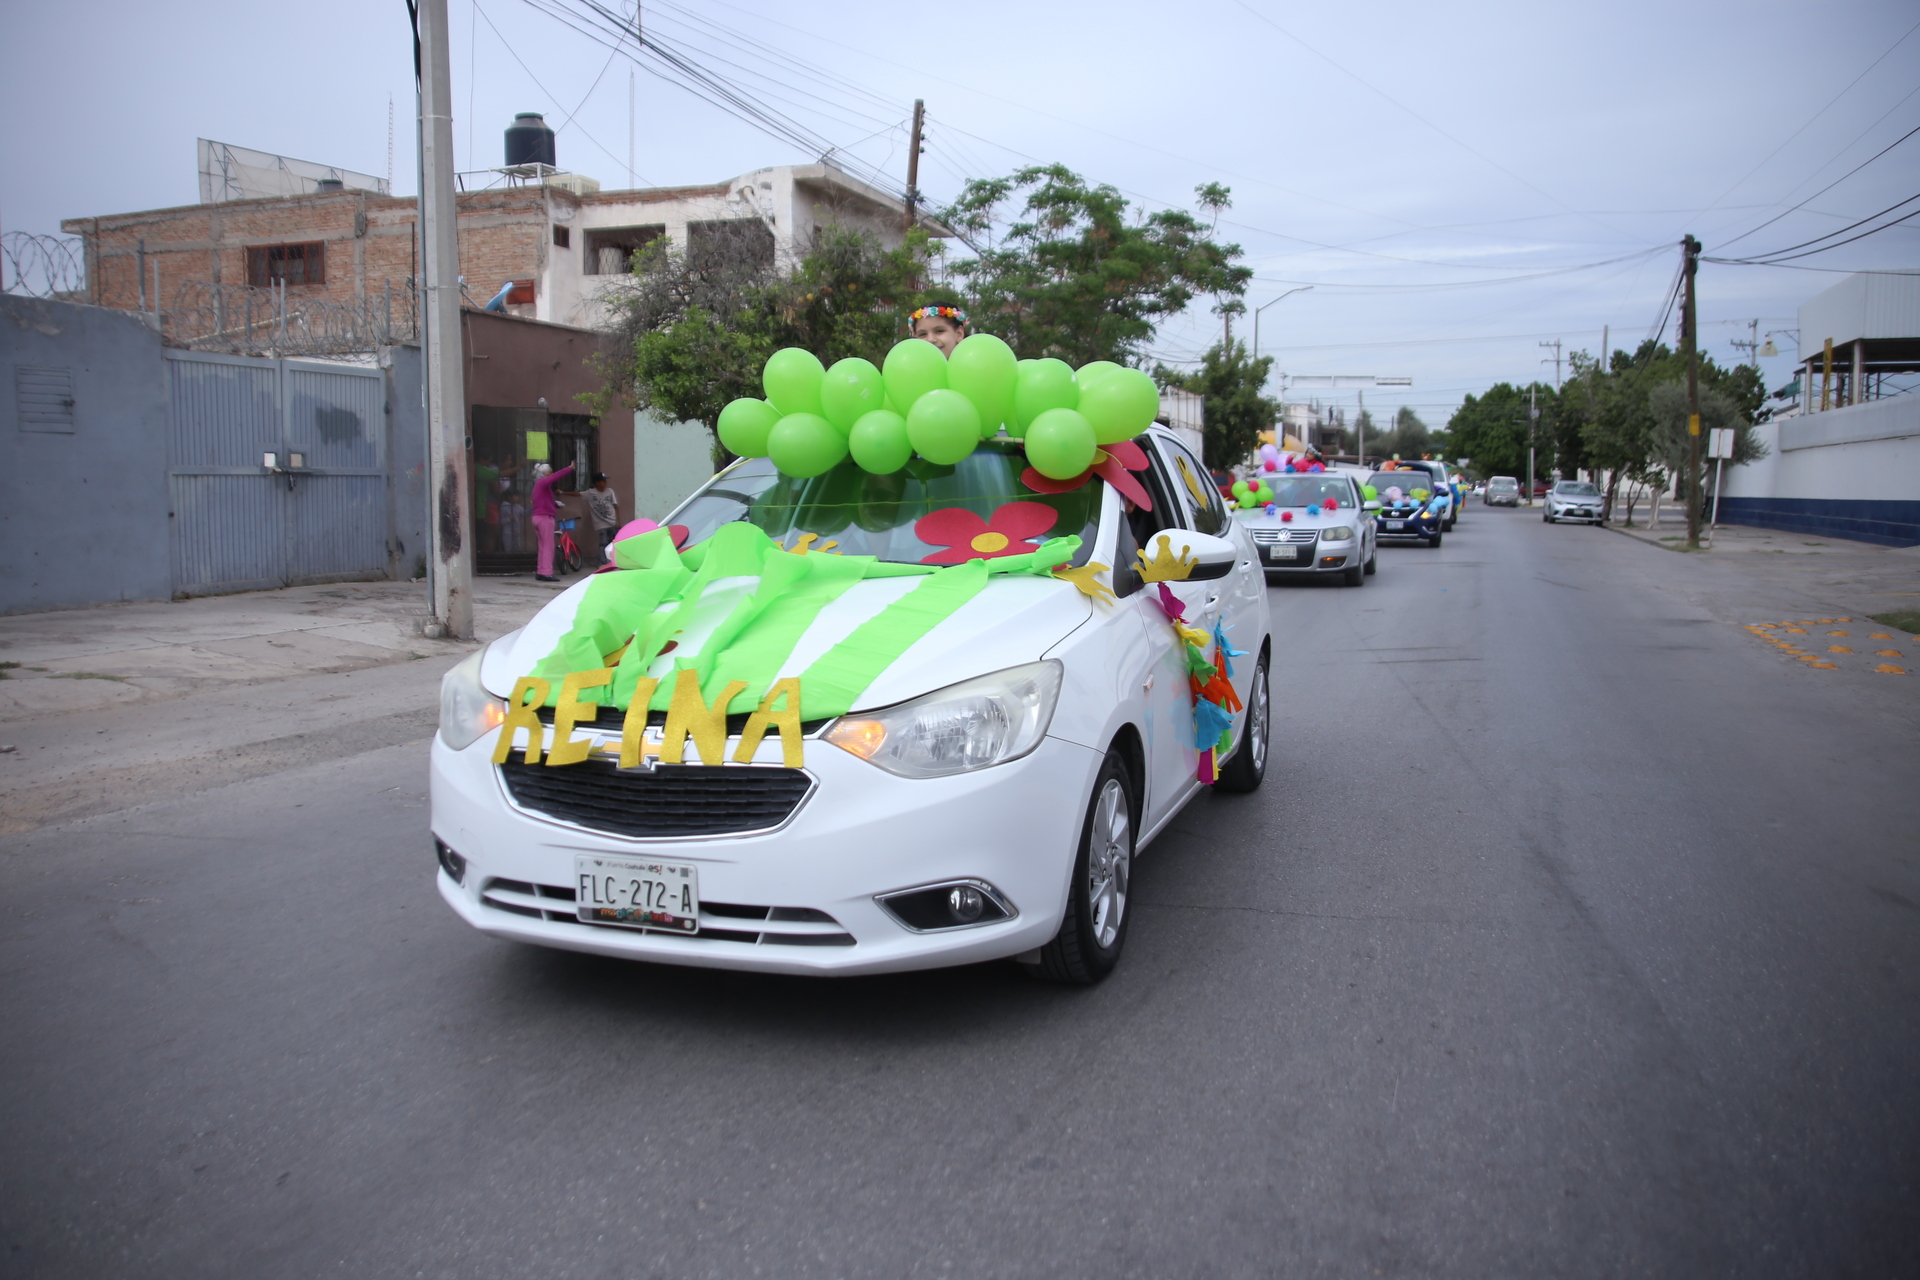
(1887, 668)
(1836, 633)
(1886, 653)
(1825, 666)
(1879, 635)
(1798, 631)
(1838, 648)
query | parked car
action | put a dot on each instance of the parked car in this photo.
(1403, 517)
(1501, 491)
(981, 796)
(1441, 487)
(1300, 535)
(1575, 500)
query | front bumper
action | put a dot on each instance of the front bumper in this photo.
(1314, 557)
(1412, 528)
(1586, 515)
(860, 832)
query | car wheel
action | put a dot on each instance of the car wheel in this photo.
(1353, 577)
(1244, 770)
(1095, 927)
(1373, 560)
(1434, 541)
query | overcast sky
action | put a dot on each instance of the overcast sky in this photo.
(1445, 176)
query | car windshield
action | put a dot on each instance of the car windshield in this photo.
(1501, 482)
(1577, 489)
(855, 513)
(1404, 481)
(1309, 491)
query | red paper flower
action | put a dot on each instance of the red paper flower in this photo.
(1111, 463)
(1286, 517)
(967, 537)
(1330, 503)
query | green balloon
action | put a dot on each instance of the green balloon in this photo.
(851, 388)
(1094, 370)
(1060, 444)
(1241, 489)
(913, 368)
(1040, 386)
(792, 379)
(879, 442)
(1120, 405)
(805, 444)
(744, 425)
(943, 425)
(982, 369)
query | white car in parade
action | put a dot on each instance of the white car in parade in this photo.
(985, 794)
(1579, 501)
(1318, 523)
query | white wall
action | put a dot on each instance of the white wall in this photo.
(1868, 452)
(670, 461)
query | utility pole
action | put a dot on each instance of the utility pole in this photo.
(913, 159)
(1360, 428)
(1533, 416)
(1555, 344)
(1690, 339)
(450, 567)
(1752, 345)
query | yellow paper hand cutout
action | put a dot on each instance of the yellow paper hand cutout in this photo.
(1086, 579)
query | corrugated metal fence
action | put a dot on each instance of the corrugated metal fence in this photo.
(278, 472)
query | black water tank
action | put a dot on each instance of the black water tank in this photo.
(529, 141)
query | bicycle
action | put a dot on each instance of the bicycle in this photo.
(566, 552)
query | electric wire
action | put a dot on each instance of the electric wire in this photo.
(1780, 253)
(1842, 178)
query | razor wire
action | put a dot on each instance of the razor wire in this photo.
(243, 319)
(39, 266)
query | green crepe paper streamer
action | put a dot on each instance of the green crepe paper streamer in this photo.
(736, 550)
(615, 607)
(842, 673)
(782, 612)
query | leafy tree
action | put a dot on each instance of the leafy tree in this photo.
(1409, 437)
(1667, 406)
(694, 333)
(1072, 277)
(1490, 431)
(1229, 383)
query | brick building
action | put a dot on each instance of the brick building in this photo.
(564, 244)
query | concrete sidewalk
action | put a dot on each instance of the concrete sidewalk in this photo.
(121, 655)
(106, 709)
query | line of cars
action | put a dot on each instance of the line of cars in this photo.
(1325, 522)
(1576, 501)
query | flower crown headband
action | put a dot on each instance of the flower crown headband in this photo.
(954, 314)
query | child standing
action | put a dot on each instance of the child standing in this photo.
(604, 504)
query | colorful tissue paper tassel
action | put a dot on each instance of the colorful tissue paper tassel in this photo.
(1210, 683)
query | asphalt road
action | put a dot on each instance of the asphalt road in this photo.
(1574, 933)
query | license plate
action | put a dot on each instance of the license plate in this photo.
(1283, 553)
(1396, 524)
(637, 894)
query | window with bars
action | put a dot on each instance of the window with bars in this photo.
(270, 264)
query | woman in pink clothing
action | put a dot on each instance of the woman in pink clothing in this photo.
(542, 517)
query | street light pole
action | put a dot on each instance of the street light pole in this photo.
(1262, 307)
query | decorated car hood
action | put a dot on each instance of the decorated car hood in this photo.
(1278, 517)
(743, 615)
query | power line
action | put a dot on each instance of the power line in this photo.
(1836, 182)
(1781, 253)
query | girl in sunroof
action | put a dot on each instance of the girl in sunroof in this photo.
(943, 326)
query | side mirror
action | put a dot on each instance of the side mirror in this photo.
(1212, 557)
(1370, 505)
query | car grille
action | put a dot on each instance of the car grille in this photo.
(667, 800)
(1270, 536)
(719, 921)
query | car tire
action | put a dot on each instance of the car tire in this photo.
(1373, 561)
(1353, 577)
(1095, 926)
(1247, 767)
(1434, 541)
(1547, 516)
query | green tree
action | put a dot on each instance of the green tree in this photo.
(1073, 277)
(1490, 431)
(693, 334)
(1229, 383)
(1409, 437)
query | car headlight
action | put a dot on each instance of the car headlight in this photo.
(1338, 533)
(985, 721)
(467, 711)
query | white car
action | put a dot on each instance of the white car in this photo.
(1304, 535)
(1576, 500)
(981, 798)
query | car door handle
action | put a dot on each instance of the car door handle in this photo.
(1146, 686)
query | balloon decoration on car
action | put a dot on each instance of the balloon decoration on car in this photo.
(1073, 425)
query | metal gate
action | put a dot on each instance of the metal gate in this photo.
(277, 470)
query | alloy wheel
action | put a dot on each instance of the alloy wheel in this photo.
(1109, 862)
